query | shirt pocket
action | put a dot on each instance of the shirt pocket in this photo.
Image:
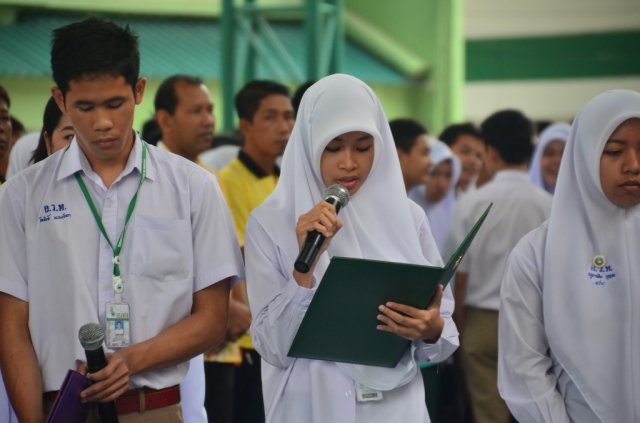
(162, 249)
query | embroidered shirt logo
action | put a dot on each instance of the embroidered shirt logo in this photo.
(53, 211)
(601, 272)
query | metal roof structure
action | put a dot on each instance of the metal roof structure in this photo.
(169, 46)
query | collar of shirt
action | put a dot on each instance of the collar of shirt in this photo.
(74, 160)
(511, 174)
(162, 146)
(253, 166)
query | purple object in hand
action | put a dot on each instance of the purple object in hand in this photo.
(67, 408)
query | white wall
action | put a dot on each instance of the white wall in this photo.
(543, 99)
(512, 18)
(549, 99)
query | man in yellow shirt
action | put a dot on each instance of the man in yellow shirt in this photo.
(266, 121)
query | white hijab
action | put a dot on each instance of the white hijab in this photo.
(556, 132)
(378, 222)
(440, 214)
(592, 324)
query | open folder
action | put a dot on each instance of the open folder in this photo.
(340, 323)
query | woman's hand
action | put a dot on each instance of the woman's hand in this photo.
(413, 323)
(322, 218)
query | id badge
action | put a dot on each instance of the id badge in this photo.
(118, 330)
(365, 394)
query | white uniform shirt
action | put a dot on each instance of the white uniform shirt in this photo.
(531, 381)
(193, 386)
(21, 153)
(179, 240)
(518, 207)
(314, 391)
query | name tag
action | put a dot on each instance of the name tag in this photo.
(364, 394)
(118, 330)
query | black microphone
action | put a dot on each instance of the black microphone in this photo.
(91, 337)
(338, 196)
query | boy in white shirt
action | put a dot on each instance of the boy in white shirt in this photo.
(519, 206)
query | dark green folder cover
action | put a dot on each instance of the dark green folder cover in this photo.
(340, 323)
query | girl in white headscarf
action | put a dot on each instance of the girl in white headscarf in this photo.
(438, 197)
(341, 136)
(543, 170)
(569, 326)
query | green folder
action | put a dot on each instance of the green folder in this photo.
(340, 323)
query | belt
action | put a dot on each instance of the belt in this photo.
(139, 400)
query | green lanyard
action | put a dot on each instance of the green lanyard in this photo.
(118, 286)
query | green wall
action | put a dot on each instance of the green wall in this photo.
(432, 29)
(605, 54)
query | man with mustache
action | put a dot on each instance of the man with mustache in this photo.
(184, 113)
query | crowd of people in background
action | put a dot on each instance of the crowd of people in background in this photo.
(542, 303)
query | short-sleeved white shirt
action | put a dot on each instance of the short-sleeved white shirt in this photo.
(179, 240)
(518, 207)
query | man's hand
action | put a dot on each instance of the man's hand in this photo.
(413, 323)
(110, 382)
(239, 320)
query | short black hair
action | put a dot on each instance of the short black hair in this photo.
(4, 95)
(151, 131)
(249, 97)
(94, 47)
(452, 133)
(510, 133)
(16, 125)
(297, 95)
(405, 132)
(166, 98)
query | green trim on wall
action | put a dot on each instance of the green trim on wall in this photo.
(571, 56)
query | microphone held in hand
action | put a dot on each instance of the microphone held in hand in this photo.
(338, 196)
(91, 338)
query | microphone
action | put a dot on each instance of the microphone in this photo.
(91, 337)
(338, 196)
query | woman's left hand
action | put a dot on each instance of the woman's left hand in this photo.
(413, 323)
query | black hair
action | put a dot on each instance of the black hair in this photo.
(297, 95)
(405, 132)
(91, 48)
(50, 120)
(151, 131)
(249, 97)
(4, 95)
(228, 138)
(452, 133)
(166, 98)
(16, 125)
(510, 133)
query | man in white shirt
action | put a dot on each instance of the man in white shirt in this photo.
(412, 146)
(466, 143)
(110, 225)
(519, 207)
(22, 152)
(184, 112)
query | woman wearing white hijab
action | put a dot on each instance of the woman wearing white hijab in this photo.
(438, 199)
(543, 170)
(569, 326)
(341, 136)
